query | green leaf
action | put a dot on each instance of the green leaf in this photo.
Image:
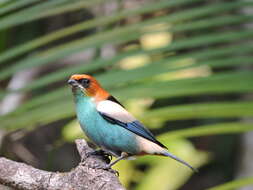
(234, 184)
(15, 5)
(212, 129)
(214, 84)
(100, 21)
(122, 32)
(42, 10)
(51, 55)
(202, 110)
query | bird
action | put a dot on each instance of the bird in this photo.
(107, 123)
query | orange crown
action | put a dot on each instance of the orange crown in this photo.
(94, 90)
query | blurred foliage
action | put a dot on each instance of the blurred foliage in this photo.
(235, 184)
(194, 52)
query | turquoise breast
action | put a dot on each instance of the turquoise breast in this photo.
(104, 134)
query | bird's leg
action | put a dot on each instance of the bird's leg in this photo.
(122, 156)
(108, 167)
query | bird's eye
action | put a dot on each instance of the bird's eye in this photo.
(84, 82)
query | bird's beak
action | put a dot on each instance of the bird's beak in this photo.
(72, 83)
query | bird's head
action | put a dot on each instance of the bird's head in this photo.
(87, 85)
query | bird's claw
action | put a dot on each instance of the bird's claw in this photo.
(106, 156)
(108, 168)
(114, 172)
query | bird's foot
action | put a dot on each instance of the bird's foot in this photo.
(108, 168)
(105, 155)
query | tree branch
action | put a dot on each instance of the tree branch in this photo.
(84, 176)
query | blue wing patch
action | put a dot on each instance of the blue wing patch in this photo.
(135, 127)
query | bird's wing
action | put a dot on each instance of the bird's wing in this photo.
(114, 113)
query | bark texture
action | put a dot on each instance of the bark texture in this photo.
(86, 176)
